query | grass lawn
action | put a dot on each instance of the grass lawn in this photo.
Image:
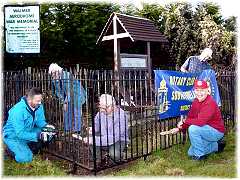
(175, 162)
(170, 162)
(38, 167)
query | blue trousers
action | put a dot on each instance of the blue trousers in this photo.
(203, 140)
(22, 150)
(72, 119)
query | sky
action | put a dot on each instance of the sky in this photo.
(228, 7)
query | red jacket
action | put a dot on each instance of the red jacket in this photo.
(205, 113)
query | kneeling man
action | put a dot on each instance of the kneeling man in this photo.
(204, 122)
(26, 129)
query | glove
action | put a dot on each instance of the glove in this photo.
(46, 136)
(49, 128)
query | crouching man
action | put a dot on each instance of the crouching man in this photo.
(111, 129)
(205, 124)
(26, 130)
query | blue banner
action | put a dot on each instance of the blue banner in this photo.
(175, 91)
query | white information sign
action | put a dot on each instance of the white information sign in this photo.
(22, 29)
(133, 62)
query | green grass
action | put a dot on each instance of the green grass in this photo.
(175, 162)
(38, 167)
(170, 162)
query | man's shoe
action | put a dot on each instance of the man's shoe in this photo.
(221, 145)
(199, 158)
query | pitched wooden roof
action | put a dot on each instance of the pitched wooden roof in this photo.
(139, 29)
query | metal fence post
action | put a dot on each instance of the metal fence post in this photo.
(93, 134)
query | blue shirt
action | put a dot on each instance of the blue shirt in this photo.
(23, 123)
(194, 65)
(67, 87)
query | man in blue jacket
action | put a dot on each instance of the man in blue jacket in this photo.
(72, 95)
(26, 126)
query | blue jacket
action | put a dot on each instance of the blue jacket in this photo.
(65, 88)
(23, 123)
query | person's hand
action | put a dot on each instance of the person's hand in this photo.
(179, 124)
(77, 136)
(183, 70)
(88, 140)
(85, 139)
(174, 130)
(89, 130)
(46, 136)
(65, 106)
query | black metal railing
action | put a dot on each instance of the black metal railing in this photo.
(136, 123)
(226, 85)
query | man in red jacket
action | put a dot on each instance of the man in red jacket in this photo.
(204, 123)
